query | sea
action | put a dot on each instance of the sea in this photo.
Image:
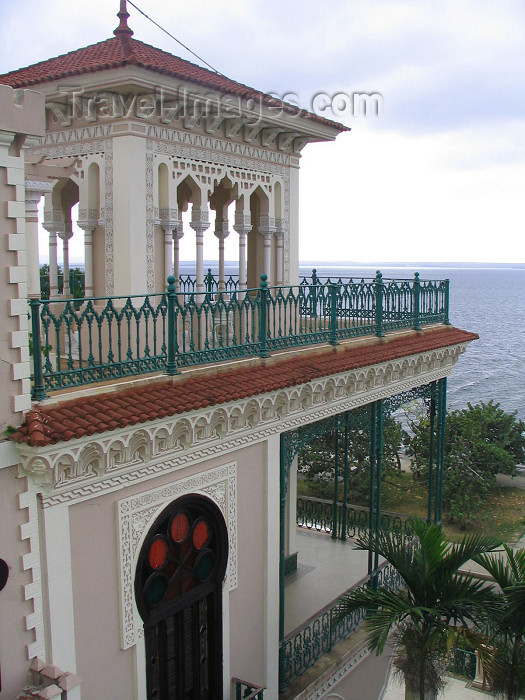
(486, 299)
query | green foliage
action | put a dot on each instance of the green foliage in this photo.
(505, 667)
(480, 442)
(46, 349)
(436, 608)
(76, 281)
(317, 460)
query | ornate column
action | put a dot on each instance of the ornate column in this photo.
(177, 235)
(279, 237)
(34, 191)
(88, 225)
(243, 226)
(65, 235)
(266, 229)
(221, 232)
(200, 221)
(53, 223)
(169, 222)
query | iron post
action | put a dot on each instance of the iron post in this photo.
(447, 301)
(38, 375)
(208, 281)
(442, 417)
(416, 292)
(171, 363)
(345, 486)
(379, 303)
(379, 461)
(371, 502)
(431, 449)
(263, 311)
(333, 314)
(336, 477)
(282, 545)
(313, 295)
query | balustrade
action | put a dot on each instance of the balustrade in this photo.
(101, 338)
(301, 648)
(318, 514)
(247, 691)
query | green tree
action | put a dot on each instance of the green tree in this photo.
(317, 460)
(507, 669)
(436, 607)
(480, 442)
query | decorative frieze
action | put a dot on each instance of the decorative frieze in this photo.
(80, 468)
(150, 220)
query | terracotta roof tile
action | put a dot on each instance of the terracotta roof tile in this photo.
(45, 425)
(116, 53)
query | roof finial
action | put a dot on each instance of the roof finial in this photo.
(123, 30)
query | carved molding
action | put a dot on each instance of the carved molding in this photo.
(203, 144)
(81, 468)
(135, 517)
(150, 221)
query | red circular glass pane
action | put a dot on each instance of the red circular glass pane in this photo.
(158, 553)
(201, 534)
(179, 527)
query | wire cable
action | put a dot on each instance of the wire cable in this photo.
(175, 39)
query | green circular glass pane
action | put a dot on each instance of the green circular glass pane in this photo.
(155, 590)
(204, 565)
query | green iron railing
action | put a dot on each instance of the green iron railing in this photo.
(76, 283)
(301, 648)
(247, 691)
(100, 338)
(188, 284)
(318, 514)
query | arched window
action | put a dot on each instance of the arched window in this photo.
(178, 589)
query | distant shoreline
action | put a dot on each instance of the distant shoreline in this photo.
(361, 265)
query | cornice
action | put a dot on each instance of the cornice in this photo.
(82, 468)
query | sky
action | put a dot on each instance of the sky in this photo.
(438, 176)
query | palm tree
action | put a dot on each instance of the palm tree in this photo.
(507, 671)
(437, 606)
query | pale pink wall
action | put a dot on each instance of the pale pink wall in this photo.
(105, 669)
(247, 604)
(13, 608)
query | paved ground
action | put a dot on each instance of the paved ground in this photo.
(326, 568)
(371, 680)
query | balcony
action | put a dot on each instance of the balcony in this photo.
(80, 341)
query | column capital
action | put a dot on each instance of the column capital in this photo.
(170, 226)
(179, 230)
(168, 213)
(34, 190)
(221, 230)
(67, 233)
(243, 222)
(266, 225)
(54, 221)
(200, 219)
(87, 225)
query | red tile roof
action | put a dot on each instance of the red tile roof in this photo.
(77, 418)
(117, 52)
